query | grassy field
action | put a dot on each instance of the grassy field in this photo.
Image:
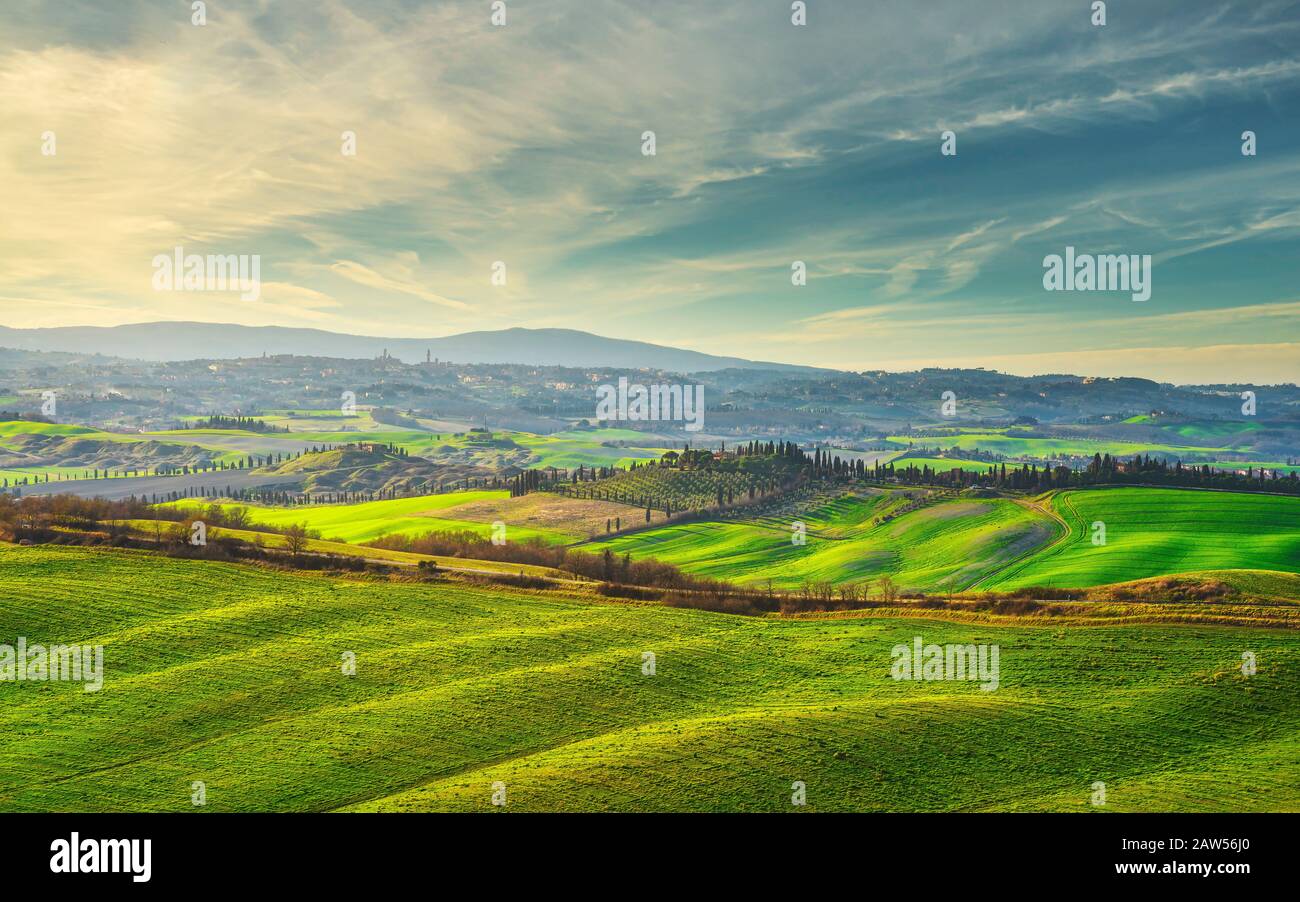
(231, 675)
(1239, 430)
(994, 543)
(1208, 441)
(957, 541)
(399, 516)
(941, 464)
(571, 450)
(1153, 532)
(147, 529)
(11, 428)
(1014, 444)
(555, 515)
(552, 518)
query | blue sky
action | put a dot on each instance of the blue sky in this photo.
(775, 143)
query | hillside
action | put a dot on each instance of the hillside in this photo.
(73, 451)
(1153, 532)
(371, 519)
(694, 486)
(923, 548)
(352, 469)
(231, 675)
(552, 518)
(990, 543)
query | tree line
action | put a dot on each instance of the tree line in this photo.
(249, 424)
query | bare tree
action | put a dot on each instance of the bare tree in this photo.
(179, 534)
(295, 539)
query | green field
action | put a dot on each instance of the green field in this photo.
(941, 464)
(1200, 430)
(370, 520)
(571, 450)
(231, 675)
(994, 543)
(147, 529)
(926, 548)
(11, 428)
(1012, 443)
(1153, 532)
(1237, 438)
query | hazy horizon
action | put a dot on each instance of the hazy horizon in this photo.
(1131, 371)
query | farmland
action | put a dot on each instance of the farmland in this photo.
(149, 529)
(371, 519)
(1017, 444)
(938, 464)
(569, 450)
(995, 543)
(428, 407)
(1151, 532)
(677, 489)
(955, 542)
(231, 675)
(552, 518)
(71, 454)
(309, 429)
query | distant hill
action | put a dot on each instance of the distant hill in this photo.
(538, 347)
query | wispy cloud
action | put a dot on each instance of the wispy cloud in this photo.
(522, 144)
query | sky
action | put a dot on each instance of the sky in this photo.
(521, 144)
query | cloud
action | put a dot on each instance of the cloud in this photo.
(1263, 364)
(522, 144)
(296, 297)
(364, 275)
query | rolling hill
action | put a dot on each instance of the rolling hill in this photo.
(1153, 532)
(920, 549)
(231, 675)
(398, 516)
(995, 543)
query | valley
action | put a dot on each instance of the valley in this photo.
(498, 572)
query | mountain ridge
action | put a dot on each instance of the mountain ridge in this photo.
(186, 340)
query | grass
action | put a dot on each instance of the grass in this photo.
(11, 428)
(556, 515)
(994, 543)
(1154, 532)
(922, 549)
(571, 450)
(370, 520)
(1243, 465)
(1012, 444)
(944, 464)
(1204, 430)
(231, 675)
(146, 529)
